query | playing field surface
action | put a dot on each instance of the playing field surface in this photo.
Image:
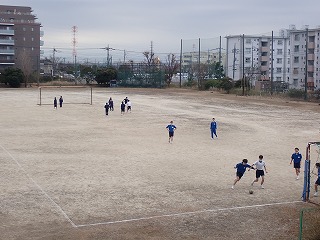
(75, 173)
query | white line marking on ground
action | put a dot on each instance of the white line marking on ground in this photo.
(186, 213)
(40, 188)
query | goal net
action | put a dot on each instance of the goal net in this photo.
(70, 95)
(310, 171)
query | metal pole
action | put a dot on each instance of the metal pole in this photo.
(243, 76)
(306, 70)
(199, 85)
(301, 224)
(91, 96)
(180, 64)
(40, 95)
(271, 83)
(220, 51)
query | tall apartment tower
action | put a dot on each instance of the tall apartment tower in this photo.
(305, 53)
(250, 56)
(19, 38)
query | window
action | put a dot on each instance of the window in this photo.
(24, 29)
(279, 70)
(264, 44)
(296, 37)
(279, 79)
(32, 39)
(279, 60)
(248, 60)
(24, 39)
(296, 48)
(296, 59)
(248, 40)
(295, 82)
(264, 54)
(248, 51)
(280, 42)
(295, 70)
(31, 29)
(279, 51)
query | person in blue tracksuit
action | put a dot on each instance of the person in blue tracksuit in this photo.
(171, 128)
(241, 169)
(296, 158)
(213, 128)
(317, 183)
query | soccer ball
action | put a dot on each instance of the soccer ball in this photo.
(250, 191)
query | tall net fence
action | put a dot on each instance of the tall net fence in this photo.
(309, 224)
(199, 57)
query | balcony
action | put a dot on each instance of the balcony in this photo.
(41, 43)
(310, 56)
(6, 62)
(311, 45)
(264, 68)
(41, 33)
(7, 41)
(6, 32)
(265, 49)
(310, 79)
(6, 51)
(310, 68)
(264, 58)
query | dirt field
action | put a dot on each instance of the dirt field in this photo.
(74, 173)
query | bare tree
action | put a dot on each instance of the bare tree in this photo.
(149, 58)
(171, 67)
(24, 61)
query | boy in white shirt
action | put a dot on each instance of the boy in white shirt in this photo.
(260, 168)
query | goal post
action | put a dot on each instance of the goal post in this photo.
(70, 94)
(307, 172)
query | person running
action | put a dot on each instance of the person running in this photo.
(123, 107)
(241, 169)
(296, 157)
(111, 104)
(213, 127)
(106, 106)
(317, 183)
(260, 168)
(55, 103)
(126, 100)
(60, 101)
(129, 106)
(171, 128)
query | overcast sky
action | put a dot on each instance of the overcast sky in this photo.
(131, 25)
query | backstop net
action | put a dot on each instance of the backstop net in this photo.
(70, 95)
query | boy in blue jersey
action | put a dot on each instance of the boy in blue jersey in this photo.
(171, 128)
(241, 169)
(213, 127)
(296, 157)
(317, 183)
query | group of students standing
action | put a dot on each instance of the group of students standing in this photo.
(55, 102)
(125, 104)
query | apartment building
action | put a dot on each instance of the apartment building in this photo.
(305, 55)
(20, 38)
(250, 56)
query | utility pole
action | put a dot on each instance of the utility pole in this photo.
(271, 82)
(234, 61)
(108, 55)
(243, 75)
(180, 63)
(220, 51)
(124, 56)
(199, 84)
(306, 68)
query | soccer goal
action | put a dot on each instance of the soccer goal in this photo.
(70, 95)
(310, 171)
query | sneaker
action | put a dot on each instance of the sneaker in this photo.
(262, 186)
(232, 187)
(315, 194)
(297, 178)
